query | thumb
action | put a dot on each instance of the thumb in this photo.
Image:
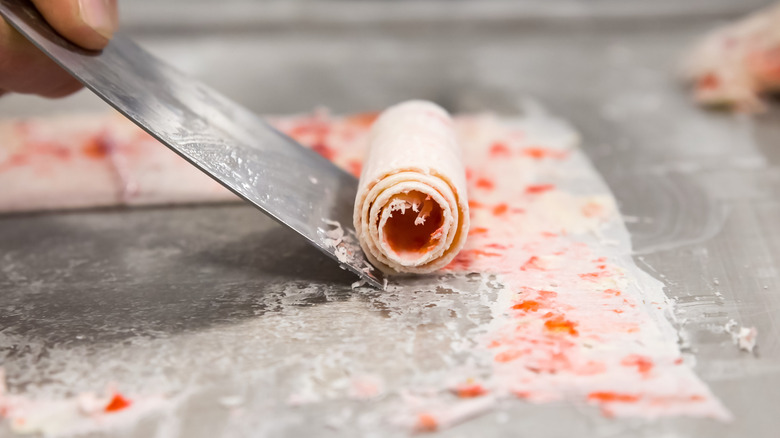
(87, 23)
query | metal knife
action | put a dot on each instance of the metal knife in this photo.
(290, 183)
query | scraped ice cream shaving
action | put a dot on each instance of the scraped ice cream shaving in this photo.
(743, 337)
(82, 414)
(92, 160)
(347, 248)
(566, 314)
(746, 338)
(447, 416)
(735, 65)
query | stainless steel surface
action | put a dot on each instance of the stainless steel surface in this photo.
(187, 300)
(286, 181)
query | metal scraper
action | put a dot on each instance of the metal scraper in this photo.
(285, 180)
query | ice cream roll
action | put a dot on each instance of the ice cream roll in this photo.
(411, 210)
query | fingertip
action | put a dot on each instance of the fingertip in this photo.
(101, 15)
(87, 23)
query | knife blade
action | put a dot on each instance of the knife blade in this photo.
(288, 182)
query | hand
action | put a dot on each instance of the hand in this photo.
(25, 69)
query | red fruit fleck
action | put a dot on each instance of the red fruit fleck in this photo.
(478, 230)
(427, 423)
(539, 188)
(96, 147)
(527, 305)
(532, 263)
(117, 403)
(364, 120)
(709, 81)
(617, 310)
(539, 153)
(500, 209)
(15, 160)
(678, 361)
(475, 204)
(324, 150)
(607, 397)
(355, 167)
(592, 209)
(481, 252)
(642, 363)
(547, 294)
(470, 390)
(484, 183)
(496, 246)
(593, 275)
(560, 325)
(499, 149)
(507, 356)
